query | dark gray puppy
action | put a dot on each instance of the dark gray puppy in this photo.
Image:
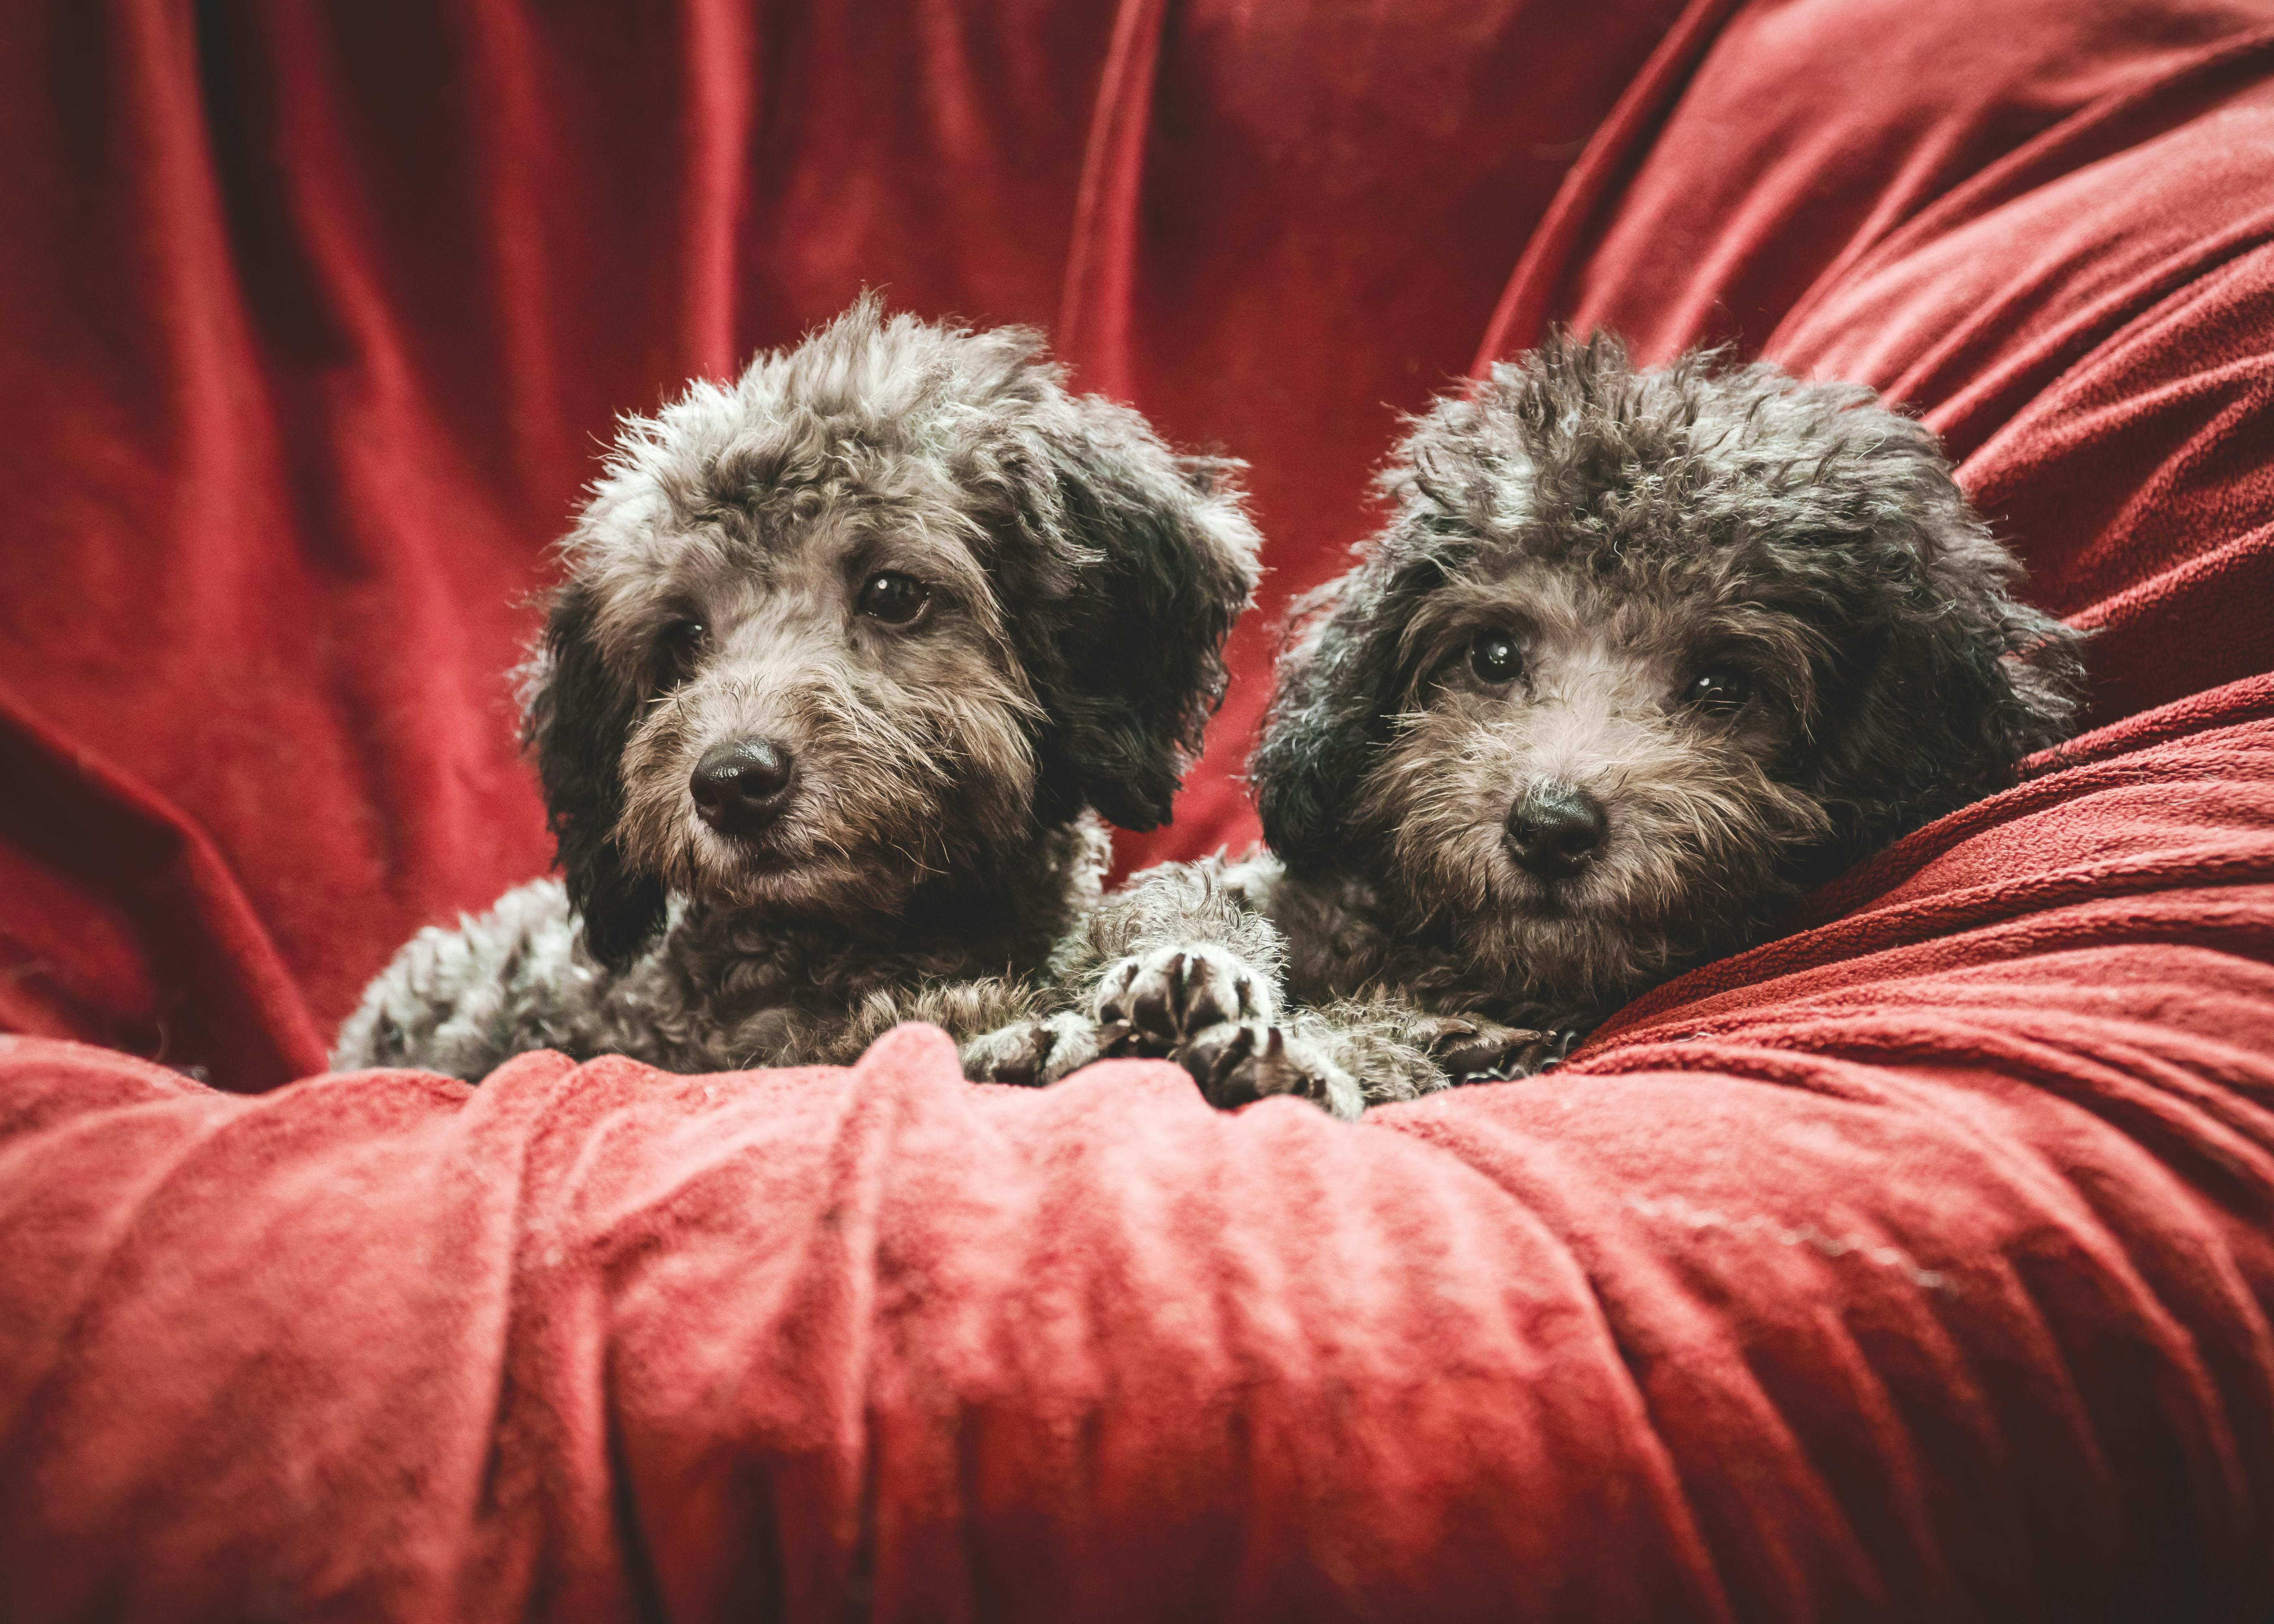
(848, 654)
(1639, 657)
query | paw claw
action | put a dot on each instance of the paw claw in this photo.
(1218, 1061)
(1031, 1054)
(1240, 1062)
(1483, 1051)
(1017, 1060)
(1112, 998)
(1162, 999)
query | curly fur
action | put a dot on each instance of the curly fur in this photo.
(939, 837)
(1624, 535)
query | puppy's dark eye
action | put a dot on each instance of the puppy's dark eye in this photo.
(894, 598)
(1492, 656)
(677, 650)
(1719, 691)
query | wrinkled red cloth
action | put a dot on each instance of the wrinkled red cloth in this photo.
(1913, 1267)
(1916, 1265)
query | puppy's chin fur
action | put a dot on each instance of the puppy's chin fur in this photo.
(872, 888)
(857, 887)
(745, 961)
(1690, 859)
(1751, 620)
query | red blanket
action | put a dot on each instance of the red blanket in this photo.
(1917, 1265)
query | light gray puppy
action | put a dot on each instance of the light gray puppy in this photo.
(1639, 656)
(849, 654)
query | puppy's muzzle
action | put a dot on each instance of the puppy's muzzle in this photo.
(741, 787)
(1555, 829)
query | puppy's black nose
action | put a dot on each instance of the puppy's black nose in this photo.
(742, 786)
(1554, 829)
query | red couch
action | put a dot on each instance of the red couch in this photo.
(1917, 1265)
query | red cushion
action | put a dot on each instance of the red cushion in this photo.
(1915, 1266)
(1918, 1265)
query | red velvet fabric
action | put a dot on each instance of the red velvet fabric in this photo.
(1916, 1265)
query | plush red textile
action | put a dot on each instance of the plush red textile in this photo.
(1915, 1266)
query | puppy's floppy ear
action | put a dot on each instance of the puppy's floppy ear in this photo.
(578, 715)
(1145, 560)
(1945, 682)
(1340, 680)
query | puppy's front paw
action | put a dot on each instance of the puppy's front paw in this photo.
(1240, 1061)
(1032, 1053)
(1472, 1049)
(1151, 1003)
